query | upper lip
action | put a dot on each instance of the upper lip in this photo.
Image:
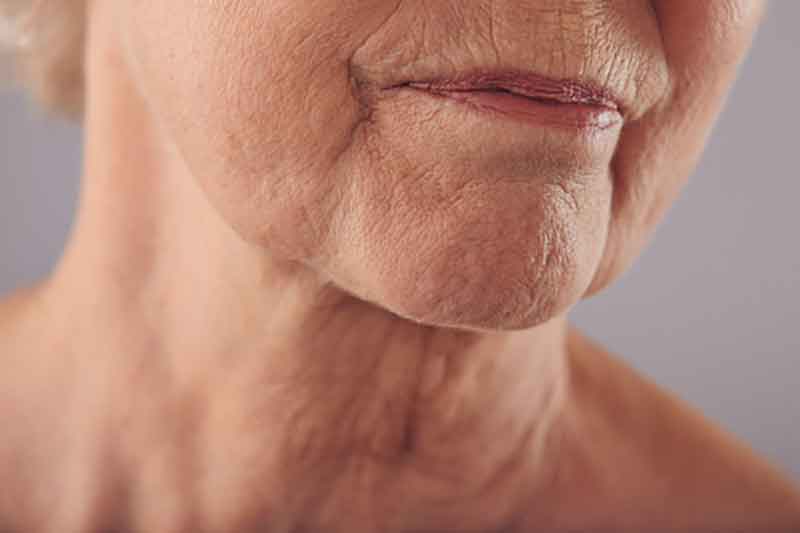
(525, 84)
(625, 71)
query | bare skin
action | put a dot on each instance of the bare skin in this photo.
(174, 376)
(373, 424)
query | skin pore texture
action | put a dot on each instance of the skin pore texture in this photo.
(299, 298)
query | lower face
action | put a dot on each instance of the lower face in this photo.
(481, 165)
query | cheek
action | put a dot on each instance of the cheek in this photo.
(704, 44)
(257, 98)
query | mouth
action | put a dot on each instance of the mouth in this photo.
(528, 98)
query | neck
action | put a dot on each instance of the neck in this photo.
(262, 374)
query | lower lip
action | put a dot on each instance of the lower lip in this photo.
(538, 112)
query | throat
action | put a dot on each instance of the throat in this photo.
(367, 413)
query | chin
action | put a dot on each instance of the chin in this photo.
(478, 311)
(488, 300)
(498, 286)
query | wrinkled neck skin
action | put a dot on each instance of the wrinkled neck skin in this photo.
(192, 382)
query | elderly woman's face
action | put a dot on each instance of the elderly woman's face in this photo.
(473, 163)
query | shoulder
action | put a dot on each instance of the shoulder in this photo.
(14, 404)
(35, 367)
(18, 322)
(12, 310)
(629, 441)
(34, 406)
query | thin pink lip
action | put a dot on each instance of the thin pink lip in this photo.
(529, 98)
(525, 84)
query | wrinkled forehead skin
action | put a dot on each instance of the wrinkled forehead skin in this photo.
(298, 121)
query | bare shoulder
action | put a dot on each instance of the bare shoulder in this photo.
(12, 309)
(30, 360)
(33, 406)
(631, 442)
(13, 401)
(17, 321)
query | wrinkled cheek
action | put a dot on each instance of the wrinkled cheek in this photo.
(715, 31)
(704, 43)
(259, 105)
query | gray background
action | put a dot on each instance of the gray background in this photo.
(710, 311)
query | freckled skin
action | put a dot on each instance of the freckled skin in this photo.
(298, 299)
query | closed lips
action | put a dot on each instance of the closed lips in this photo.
(525, 85)
(531, 98)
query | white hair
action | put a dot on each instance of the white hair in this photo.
(42, 43)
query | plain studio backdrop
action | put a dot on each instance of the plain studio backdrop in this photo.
(711, 311)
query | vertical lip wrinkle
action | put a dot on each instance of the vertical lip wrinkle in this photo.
(525, 84)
